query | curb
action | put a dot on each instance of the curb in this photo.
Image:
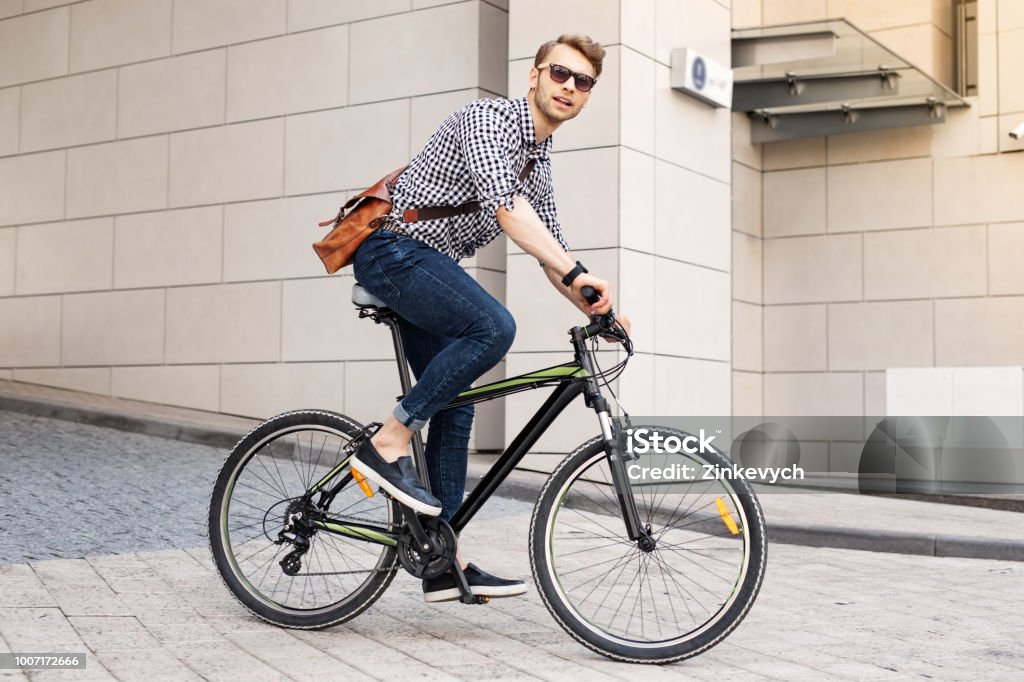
(525, 486)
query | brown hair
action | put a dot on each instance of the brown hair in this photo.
(591, 50)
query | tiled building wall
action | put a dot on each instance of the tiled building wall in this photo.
(896, 248)
(642, 179)
(162, 167)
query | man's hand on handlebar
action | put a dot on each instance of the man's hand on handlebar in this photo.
(603, 304)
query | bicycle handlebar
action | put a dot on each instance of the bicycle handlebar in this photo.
(603, 322)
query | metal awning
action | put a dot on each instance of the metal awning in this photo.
(827, 78)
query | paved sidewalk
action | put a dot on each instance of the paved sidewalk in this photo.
(823, 614)
(818, 520)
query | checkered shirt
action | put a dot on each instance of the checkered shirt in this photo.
(477, 155)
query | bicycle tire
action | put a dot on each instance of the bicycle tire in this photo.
(267, 469)
(554, 550)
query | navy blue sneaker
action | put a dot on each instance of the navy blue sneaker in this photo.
(483, 584)
(398, 479)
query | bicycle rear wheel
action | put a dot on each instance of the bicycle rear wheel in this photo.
(648, 606)
(264, 481)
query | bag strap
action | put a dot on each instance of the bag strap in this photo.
(415, 215)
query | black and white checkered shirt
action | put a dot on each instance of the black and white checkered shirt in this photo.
(477, 155)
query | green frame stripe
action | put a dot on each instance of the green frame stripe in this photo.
(547, 374)
(357, 532)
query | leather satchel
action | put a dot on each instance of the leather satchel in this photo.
(350, 229)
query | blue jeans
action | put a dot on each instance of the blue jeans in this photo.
(453, 332)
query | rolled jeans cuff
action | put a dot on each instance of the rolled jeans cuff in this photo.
(406, 419)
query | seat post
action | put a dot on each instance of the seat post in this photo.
(418, 451)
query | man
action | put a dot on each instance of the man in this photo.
(454, 331)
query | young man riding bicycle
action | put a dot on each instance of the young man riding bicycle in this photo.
(495, 152)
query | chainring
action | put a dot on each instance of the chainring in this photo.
(428, 566)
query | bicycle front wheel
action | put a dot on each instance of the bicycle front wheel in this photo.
(269, 538)
(637, 603)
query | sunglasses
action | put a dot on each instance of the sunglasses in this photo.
(560, 74)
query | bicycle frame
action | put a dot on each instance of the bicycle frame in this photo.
(570, 380)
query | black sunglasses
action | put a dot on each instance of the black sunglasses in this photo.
(560, 74)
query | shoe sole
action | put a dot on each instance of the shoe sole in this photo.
(403, 498)
(452, 593)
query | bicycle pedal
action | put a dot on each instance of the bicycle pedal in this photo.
(363, 484)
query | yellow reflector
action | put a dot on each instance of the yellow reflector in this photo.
(723, 511)
(363, 485)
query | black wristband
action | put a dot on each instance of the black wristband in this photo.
(573, 274)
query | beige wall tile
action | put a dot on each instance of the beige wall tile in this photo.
(34, 47)
(1011, 56)
(692, 217)
(265, 390)
(69, 111)
(230, 163)
(428, 112)
(747, 394)
(795, 338)
(8, 255)
(195, 386)
(743, 151)
(492, 48)
(1005, 124)
(34, 5)
(542, 315)
(110, 32)
(691, 387)
(702, 25)
(925, 263)
(72, 256)
(30, 335)
(635, 283)
(305, 14)
(319, 323)
(987, 16)
(747, 281)
(371, 389)
(117, 177)
(880, 145)
(960, 135)
(1011, 15)
(794, 202)
(690, 133)
(171, 94)
(880, 195)
(637, 25)
(873, 14)
(979, 331)
(746, 13)
(694, 317)
(113, 328)
(747, 337)
(299, 72)
(87, 379)
(316, 140)
(33, 186)
(979, 189)
(491, 257)
(273, 239)
(599, 19)
(9, 8)
(637, 94)
(598, 125)
(788, 11)
(985, 391)
(874, 394)
(812, 269)
(200, 24)
(747, 200)
(813, 394)
(919, 391)
(448, 61)
(804, 152)
(1005, 246)
(224, 323)
(988, 74)
(636, 200)
(10, 103)
(187, 245)
(636, 385)
(922, 45)
(587, 214)
(877, 336)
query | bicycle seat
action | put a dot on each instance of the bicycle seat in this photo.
(364, 299)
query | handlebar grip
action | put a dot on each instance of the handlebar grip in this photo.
(590, 294)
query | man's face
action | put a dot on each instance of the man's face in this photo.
(560, 101)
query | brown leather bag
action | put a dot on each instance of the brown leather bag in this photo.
(374, 205)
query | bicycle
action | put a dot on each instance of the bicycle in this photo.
(636, 571)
